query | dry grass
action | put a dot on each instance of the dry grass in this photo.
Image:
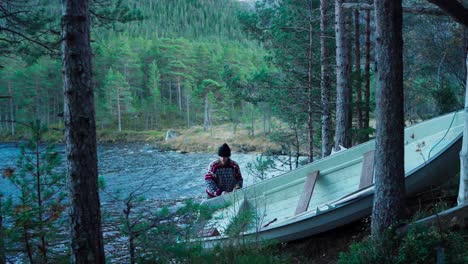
(197, 140)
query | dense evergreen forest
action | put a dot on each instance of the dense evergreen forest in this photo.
(181, 63)
(177, 64)
(316, 73)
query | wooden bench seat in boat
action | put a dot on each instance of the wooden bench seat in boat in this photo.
(306, 194)
(367, 174)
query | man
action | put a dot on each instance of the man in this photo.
(223, 174)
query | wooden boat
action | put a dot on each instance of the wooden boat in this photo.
(332, 191)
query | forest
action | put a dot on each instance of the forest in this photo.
(217, 62)
(317, 74)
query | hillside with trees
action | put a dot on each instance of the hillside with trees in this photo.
(179, 64)
(317, 75)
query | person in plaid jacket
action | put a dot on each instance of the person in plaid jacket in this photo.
(223, 174)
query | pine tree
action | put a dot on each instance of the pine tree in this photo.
(119, 96)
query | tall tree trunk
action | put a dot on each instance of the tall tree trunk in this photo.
(357, 57)
(310, 123)
(252, 123)
(465, 47)
(206, 113)
(348, 16)
(343, 88)
(12, 112)
(325, 83)
(27, 243)
(37, 100)
(463, 188)
(80, 135)
(7, 124)
(119, 114)
(43, 246)
(170, 93)
(179, 94)
(2, 242)
(187, 105)
(389, 190)
(366, 115)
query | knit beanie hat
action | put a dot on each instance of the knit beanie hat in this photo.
(224, 151)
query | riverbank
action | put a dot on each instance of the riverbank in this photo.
(189, 140)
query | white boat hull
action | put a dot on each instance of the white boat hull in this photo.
(429, 161)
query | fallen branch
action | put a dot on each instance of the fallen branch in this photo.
(453, 217)
(406, 9)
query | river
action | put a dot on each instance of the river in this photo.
(128, 167)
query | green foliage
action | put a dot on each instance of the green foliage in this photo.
(445, 98)
(419, 245)
(34, 216)
(241, 222)
(261, 166)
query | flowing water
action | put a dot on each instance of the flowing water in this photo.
(129, 167)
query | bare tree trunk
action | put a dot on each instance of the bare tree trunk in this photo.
(343, 88)
(179, 94)
(325, 83)
(27, 244)
(463, 189)
(80, 135)
(357, 55)
(310, 124)
(7, 124)
(465, 47)
(205, 115)
(2, 242)
(43, 246)
(119, 116)
(12, 112)
(37, 100)
(252, 124)
(187, 105)
(366, 115)
(170, 93)
(389, 190)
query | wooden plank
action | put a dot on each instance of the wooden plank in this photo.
(309, 185)
(367, 173)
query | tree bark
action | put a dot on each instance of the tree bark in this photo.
(367, 76)
(463, 189)
(325, 83)
(187, 105)
(343, 89)
(119, 113)
(206, 113)
(179, 94)
(80, 134)
(310, 123)
(2, 243)
(12, 112)
(389, 189)
(43, 246)
(465, 49)
(357, 55)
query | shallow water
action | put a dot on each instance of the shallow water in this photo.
(155, 174)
